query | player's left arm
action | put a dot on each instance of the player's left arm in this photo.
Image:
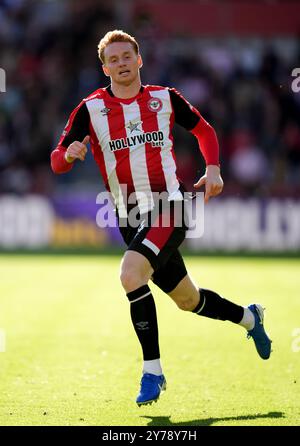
(189, 117)
(209, 146)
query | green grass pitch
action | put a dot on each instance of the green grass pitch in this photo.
(72, 358)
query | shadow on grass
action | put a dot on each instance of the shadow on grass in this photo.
(165, 421)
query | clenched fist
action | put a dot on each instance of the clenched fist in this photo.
(77, 150)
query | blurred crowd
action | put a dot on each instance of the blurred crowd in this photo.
(241, 86)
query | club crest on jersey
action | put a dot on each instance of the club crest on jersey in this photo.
(154, 104)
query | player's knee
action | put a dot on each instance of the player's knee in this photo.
(186, 303)
(131, 279)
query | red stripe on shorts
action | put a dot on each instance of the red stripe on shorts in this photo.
(159, 234)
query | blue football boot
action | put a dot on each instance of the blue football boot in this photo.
(151, 388)
(261, 340)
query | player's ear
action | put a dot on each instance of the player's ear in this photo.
(140, 61)
(105, 70)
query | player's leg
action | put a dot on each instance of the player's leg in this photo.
(148, 251)
(136, 271)
(188, 297)
(212, 305)
(203, 302)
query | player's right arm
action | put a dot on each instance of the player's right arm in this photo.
(73, 141)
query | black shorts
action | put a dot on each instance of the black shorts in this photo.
(158, 240)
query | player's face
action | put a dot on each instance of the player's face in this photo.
(122, 63)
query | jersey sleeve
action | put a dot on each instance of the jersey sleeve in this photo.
(190, 118)
(185, 114)
(77, 126)
(76, 129)
(208, 142)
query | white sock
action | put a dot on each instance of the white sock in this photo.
(153, 367)
(248, 320)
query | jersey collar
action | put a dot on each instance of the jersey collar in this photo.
(126, 101)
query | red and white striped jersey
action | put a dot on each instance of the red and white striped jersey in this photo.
(131, 140)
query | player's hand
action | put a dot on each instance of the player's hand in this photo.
(213, 182)
(77, 150)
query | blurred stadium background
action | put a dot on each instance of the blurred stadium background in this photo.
(232, 59)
